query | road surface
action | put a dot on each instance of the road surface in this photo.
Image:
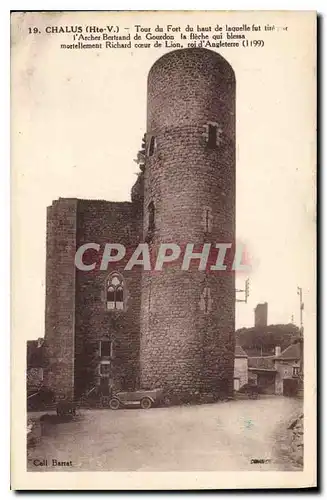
(221, 436)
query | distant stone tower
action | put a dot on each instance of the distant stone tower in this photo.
(261, 314)
(187, 317)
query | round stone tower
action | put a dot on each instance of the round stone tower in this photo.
(187, 316)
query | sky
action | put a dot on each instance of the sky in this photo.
(72, 110)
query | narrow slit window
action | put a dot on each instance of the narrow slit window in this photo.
(212, 136)
(207, 219)
(152, 145)
(151, 211)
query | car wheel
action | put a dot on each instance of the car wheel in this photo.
(114, 404)
(146, 403)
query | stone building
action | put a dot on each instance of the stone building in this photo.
(278, 374)
(124, 329)
(35, 365)
(288, 368)
(240, 368)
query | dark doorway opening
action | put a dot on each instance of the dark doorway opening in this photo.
(290, 387)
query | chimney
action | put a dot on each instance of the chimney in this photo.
(277, 350)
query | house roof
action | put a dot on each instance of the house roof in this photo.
(261, 362)
(239, 352)
(291, 352)
(262, 370)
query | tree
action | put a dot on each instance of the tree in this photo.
(263, 340)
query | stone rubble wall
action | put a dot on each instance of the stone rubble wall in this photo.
(296, 439)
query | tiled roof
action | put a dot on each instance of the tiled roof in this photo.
(262, 362)
(291, 352)
(239, 352)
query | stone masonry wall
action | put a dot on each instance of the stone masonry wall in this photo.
(182, 347)
(106, 222)
(60, 297)
(295, 436)
(241, 370)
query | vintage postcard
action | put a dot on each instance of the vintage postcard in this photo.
(163, 250)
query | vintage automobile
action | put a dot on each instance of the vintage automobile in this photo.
(143, 398)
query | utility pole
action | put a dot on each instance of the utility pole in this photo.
(245, 290)
(299, 292)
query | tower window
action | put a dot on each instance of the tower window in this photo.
(152, 145)
(151, 221)
(105, 348)
(119, 296)
(206, 300)
(115, 292)
(207, 219)
(212, 134)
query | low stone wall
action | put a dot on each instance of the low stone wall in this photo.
(33, 431)
(296, 439)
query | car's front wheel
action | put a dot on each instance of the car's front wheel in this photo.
(146, 403)
(114, 404)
